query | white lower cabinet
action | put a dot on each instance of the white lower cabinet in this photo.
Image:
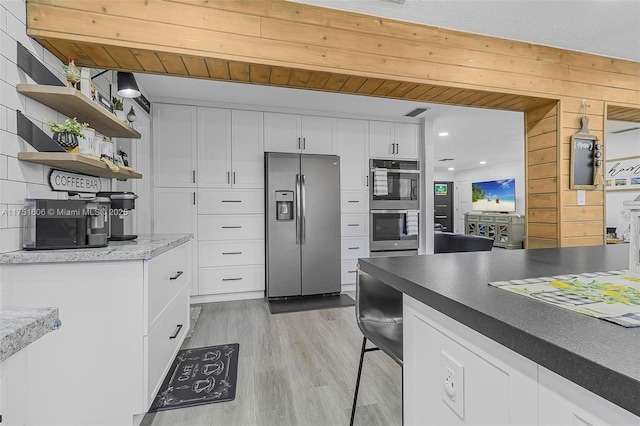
(122, 325)
(231, 253)
(349, 271)
(232, 279)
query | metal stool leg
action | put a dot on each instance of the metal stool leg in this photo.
(355, 396)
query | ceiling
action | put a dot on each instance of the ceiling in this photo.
(603, 27)
(475, 135)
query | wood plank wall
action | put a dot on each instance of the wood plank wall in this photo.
(296, 45)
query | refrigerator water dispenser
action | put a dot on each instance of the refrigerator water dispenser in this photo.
(284, 205)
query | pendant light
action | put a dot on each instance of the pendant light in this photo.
(127, 86)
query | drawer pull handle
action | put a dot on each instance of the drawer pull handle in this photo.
(353, 224)
(354, 201)
(231, 201)
(354, 248)
(232, 252)
(177, 275)
(231, 279)
(175, 333)
(352, 272)
(231, 227)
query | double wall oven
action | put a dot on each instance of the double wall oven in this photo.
(394, 210)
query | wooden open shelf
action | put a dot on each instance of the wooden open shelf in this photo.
(72, 103)
(79, 163)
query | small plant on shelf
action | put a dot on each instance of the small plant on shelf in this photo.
(67, 132)
(117, 104)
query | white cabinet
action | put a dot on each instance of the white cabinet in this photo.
(174, 145)
(353, 139)
(122, 325)
(353, 202)
(174, 212)
(304, 134)
(393, 140)
(230, 148)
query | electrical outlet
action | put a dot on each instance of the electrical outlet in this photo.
(452, 390)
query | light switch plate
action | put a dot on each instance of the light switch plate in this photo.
(452, 386)
(582, 197)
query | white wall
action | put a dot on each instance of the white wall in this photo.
(619, 146)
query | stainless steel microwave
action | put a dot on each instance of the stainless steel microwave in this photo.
(400, 181)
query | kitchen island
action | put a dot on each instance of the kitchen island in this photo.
(512, 359)
(125, 310)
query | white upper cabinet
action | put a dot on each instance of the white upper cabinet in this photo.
(393, 140)
(230, 148)
(247, 149)
(174, 147)
(299, 134)
(214, 147)
(353, 139)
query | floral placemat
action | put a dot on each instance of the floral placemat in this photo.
(612, 296)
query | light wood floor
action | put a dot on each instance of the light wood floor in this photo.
(294, 369)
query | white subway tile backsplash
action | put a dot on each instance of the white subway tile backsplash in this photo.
(40, 191)
(17, 30)
(39, 112)
(12, 120)
(25, 172)
(12, 192)
(3, 68)
(14, 216)
(9, 144)
(3, 117)
(3, 167)
(10, 240)
(53, 63)
(3, 18)
(17, 8)
(8, 47)
(4, 215)
(11, 98)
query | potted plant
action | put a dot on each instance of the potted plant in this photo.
(118, 108)
(67, 132)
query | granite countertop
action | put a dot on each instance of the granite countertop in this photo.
(143, 248)
(23, 326)
(598, 355)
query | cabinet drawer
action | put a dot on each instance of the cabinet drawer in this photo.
(222, 201)
(167, 274)
(354, 202)
(501, 219)
(349, 271)
(231, 280)
(231, 253)
(230, 227)
(354, 225)
(164, 341)
(354, 247)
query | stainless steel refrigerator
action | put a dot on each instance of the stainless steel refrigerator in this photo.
(302, 196)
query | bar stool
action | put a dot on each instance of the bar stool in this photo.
(379, 316)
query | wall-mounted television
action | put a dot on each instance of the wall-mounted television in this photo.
(494, 196)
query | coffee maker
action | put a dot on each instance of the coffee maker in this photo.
(122, 203)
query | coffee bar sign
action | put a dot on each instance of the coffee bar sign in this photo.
(73, 182)
(623, 174)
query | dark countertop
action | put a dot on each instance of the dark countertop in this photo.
(598, 355)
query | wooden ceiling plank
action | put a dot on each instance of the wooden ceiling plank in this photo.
(402, 89)
(353, 84)
(471, 100)
(370, 86)
(125, 58)
(335, 82)
(259, 74)
(505, 103)
(98, 55)
(172, 63)
(149, 61)
(279, 76)
(460, 97)
(490, 99)
(433, 92)
(218, 69)
(299, 78)
(446, 95)
(239, 71)
(196, 67)
(67, 48)
(386, 87)
(318, 80)
(418, 91)
(47, 44)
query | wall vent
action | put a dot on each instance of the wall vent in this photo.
(630, 129)
(415, 112)
(446, 159)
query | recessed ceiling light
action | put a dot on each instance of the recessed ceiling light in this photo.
(450, 168)
(483, 162)
(443, 134)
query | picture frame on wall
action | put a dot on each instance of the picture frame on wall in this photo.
(105, 102)
(623, 174)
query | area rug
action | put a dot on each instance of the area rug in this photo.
(199, 376)
(195, 314)
(310, 303)
(613, 296)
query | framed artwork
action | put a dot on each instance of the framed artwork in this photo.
(623, 174)
(105, 102)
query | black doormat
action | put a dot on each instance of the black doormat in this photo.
(310, 303)
(199, 376)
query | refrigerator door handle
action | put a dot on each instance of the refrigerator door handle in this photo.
(298, 210)
(303, 225)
